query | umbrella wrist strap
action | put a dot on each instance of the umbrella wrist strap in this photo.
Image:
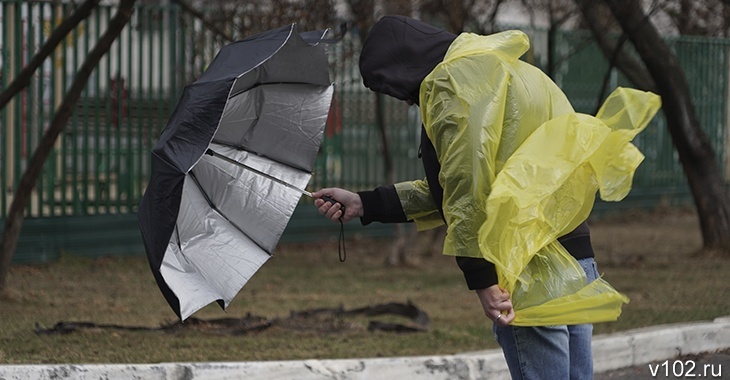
(341, 250)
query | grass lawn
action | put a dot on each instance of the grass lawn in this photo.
(647, 257)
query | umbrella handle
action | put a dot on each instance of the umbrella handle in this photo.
(329, 199)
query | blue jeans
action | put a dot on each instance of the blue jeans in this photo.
(551, 352)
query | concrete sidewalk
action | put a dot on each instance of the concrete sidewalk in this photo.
(615, 351)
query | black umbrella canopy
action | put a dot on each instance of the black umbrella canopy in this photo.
(208, 223)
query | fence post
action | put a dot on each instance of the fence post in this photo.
(726, 154)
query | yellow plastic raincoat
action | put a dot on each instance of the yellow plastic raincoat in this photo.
(520, 168)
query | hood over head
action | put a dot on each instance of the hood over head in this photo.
(399, 53)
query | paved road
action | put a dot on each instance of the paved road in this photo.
(705, 366)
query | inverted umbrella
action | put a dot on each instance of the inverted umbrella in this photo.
(228, 169)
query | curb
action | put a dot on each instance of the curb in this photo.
(610, 352)
(650, 344)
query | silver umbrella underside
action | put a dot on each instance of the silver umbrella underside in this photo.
(231, 218)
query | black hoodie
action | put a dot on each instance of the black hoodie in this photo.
(398, 54)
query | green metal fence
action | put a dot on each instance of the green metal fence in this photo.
(91, 184)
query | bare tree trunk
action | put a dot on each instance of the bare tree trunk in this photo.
(693, 146)
(397, 255)
(489, 25)
(22, 80)
(14, 220)
(363, 13)
(595, 19)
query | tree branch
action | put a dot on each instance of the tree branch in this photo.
(634, 70)
(22, 80)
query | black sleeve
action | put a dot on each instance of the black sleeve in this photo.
(478, 273)
(381, 205)
(578, 242)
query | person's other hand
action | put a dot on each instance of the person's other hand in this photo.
(342, 197)
(496, 304)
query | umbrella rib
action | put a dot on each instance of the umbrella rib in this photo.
(177, 233)
(243, 148)
(213, 153)
(215, 208)
(239, 92)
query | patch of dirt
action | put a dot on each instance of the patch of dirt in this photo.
(321, 320)
(635, 237)
(10, 295)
